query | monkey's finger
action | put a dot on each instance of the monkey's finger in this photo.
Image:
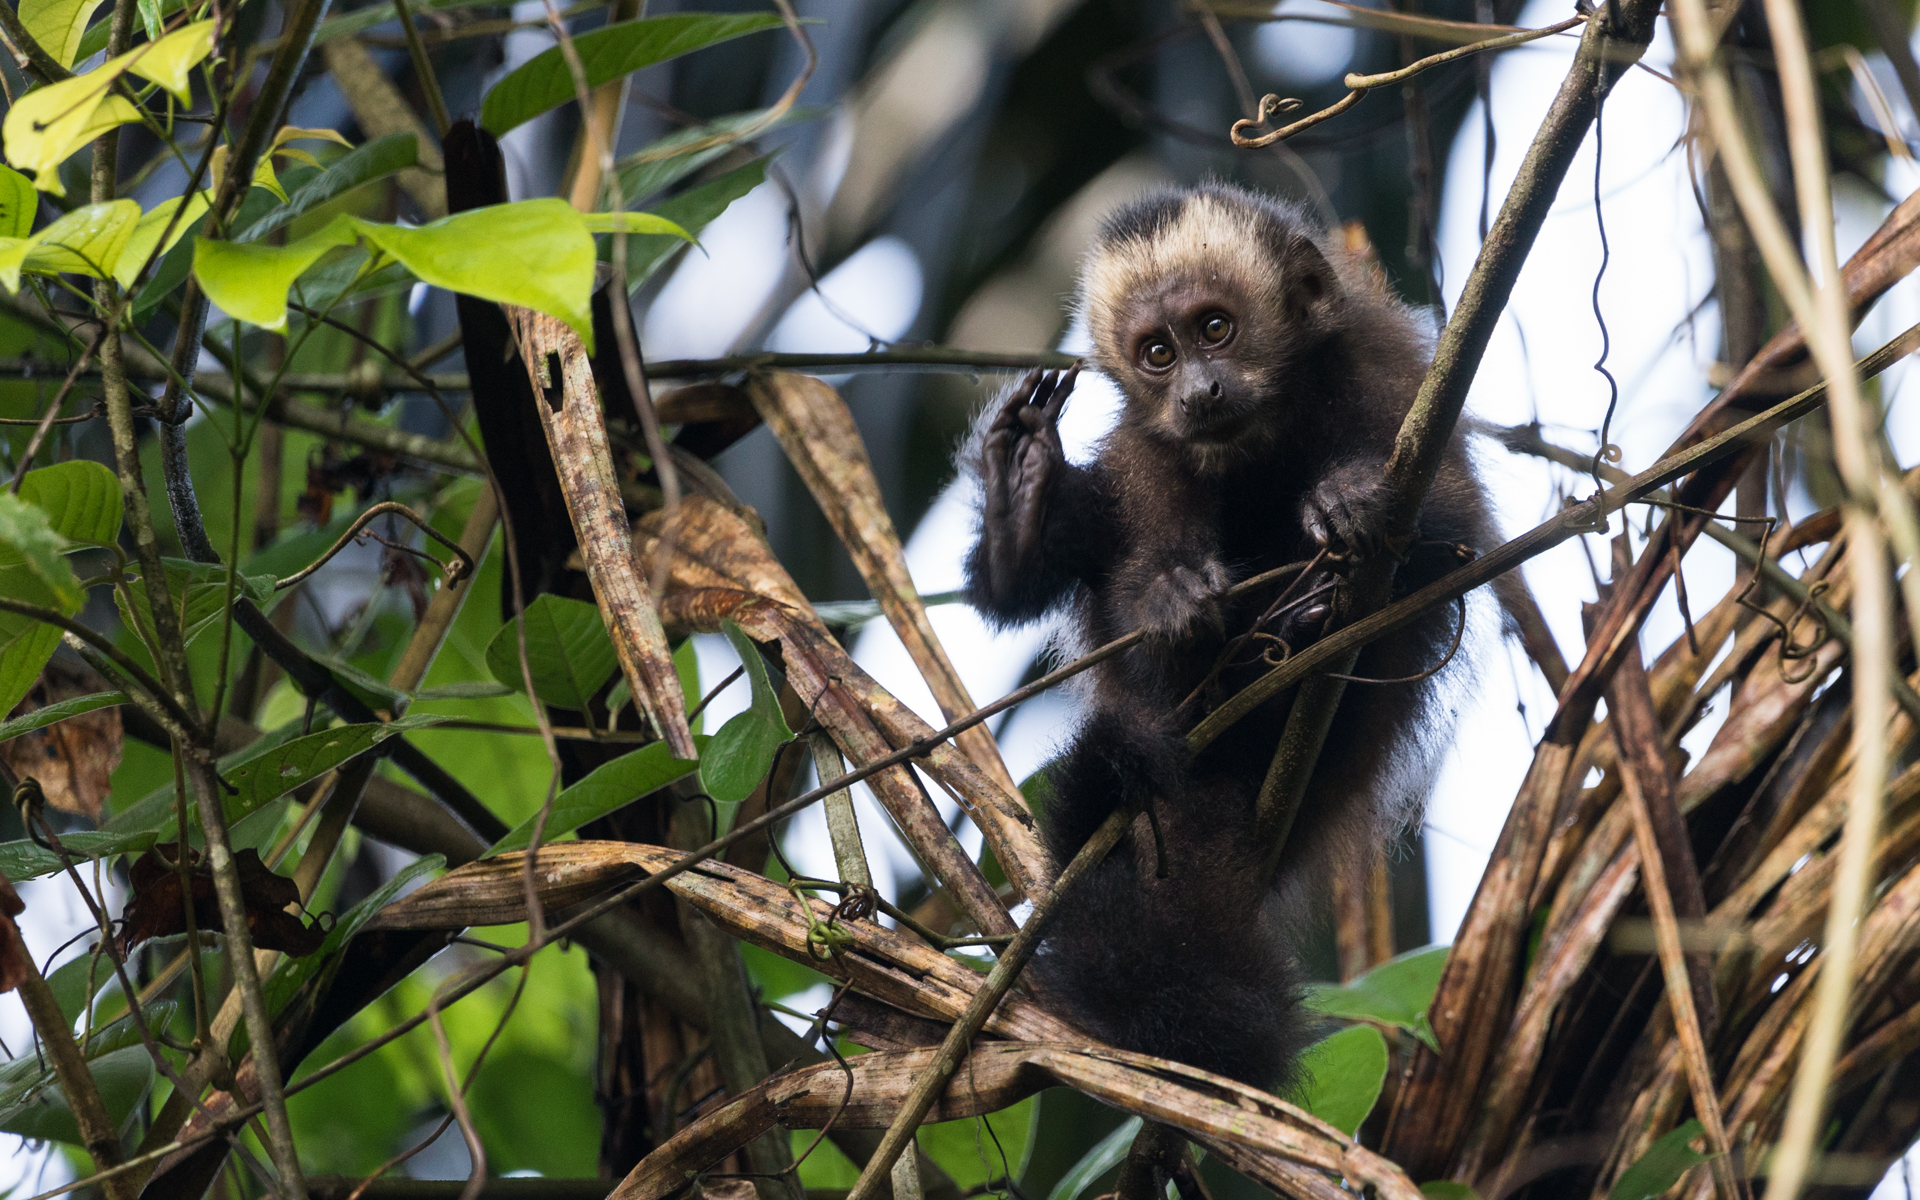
(1018, 399)
(1061, 390)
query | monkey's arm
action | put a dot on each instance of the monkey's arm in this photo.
(1042, 519)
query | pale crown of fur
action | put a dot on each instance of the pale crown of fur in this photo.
(1211, 238)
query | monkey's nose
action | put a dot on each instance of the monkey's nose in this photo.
(1213, 389)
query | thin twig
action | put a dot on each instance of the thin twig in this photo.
(1272, 105)
(455, 572)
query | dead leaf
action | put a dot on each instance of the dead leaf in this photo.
(569, 408)
(1264, 1137)
(74, 759)
(155, 909)
(16, 963)
(817, 431)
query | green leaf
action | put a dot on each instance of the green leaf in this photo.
(659, 165)
(633, 223)
(40, 718)
(198, 592)
(375, 160)
(692, 210)
(87, 241)
(546, 82)
(19, 202)
(75, 983)
(1342, 1076)
(1109, 1153)
(1396, 993)
(250, 282)
(121, 1076)
(1661, 1166)
(294, 762)
(569, 653)
(33, 548)
(465, 689)
(1447, 1189)
(371, 690)
(738, 757)
(535, 253)
(25, 647)
(81, 499)
(95, 39)
(56, 506)
(608, 787)
(27, 860)
(159, 221)
(47, 125)
(58, 25)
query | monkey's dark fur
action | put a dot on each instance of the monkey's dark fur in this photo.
(1266, 372)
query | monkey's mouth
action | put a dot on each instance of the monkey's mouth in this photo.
(1215, 427)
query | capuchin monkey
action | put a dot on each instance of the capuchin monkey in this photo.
(1266, 372)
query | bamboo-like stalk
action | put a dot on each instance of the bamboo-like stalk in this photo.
(1823, 313)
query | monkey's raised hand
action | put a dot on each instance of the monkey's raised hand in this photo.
(1021, 461)
(1346, 512)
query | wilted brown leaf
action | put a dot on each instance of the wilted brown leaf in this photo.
(821, 440)
(1268, 1139)
(74, 759)
(715, 553)
(569, 408)
(155, 908)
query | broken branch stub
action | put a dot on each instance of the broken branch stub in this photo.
(569, 408)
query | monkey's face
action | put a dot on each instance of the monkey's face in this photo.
(1198, 363)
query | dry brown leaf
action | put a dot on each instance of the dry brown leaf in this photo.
(577, 434)
(74, 759)
(821, 439)
(716, 552)
(155, 908)
(1266, 1138)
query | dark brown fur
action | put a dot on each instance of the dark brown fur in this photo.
(1240, 454)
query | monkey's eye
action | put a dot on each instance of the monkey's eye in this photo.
(1216, 328)
(1156, 355)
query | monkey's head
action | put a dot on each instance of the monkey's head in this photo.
(1206, 306)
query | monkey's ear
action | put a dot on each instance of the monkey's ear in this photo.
(1310, 289)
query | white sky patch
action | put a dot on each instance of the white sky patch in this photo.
(1304, 53)
(876, 290)
(713, 297)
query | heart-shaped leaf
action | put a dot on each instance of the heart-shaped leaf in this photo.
(568, 652)
(737, 758)
(1342, 1076)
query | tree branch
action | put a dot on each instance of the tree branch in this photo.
(1607, 49)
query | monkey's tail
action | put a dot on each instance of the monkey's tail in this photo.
(1167, 969)
(1173, 946)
